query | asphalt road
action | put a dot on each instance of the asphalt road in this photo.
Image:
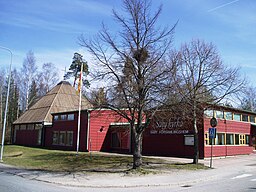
(236, 174)
(243, 182)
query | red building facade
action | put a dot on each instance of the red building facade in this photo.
(235, 132)
(100, 130)
(167, 135)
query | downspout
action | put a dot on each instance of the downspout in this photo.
(88, 131)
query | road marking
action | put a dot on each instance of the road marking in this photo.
(253, 179)
(242, 176)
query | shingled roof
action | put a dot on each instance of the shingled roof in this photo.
(61, 98)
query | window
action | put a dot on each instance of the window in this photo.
(39, 139)
(237, 139)
(56, 117)
(38, 126)
(63, 117)
(229, 139)
(242, 139)
(228, 115)
(62, 137)
(237, 117)
(69, 137)
(16, 127)
(206, 139)
(220, 139)
(219, 114)
(245, 118)
(71, 117)
(23, 127)
(208, 113)
(247, 139)
(30, 127)
(55, 138)
(252, 119)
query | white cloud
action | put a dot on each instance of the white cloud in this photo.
(222, 5)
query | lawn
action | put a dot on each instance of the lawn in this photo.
(67, 161)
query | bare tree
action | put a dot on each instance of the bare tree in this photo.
(47, 78)
(98, 97)
(27, 75)
(248, 100)
(203, 79)
(133, 64)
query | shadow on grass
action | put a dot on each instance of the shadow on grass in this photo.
(83, 162)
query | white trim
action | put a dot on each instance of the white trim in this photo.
(88, 131)
(118, 123)
(47, 123)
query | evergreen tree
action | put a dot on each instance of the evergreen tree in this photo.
(75, 69)
(32, 96)
(13, 107)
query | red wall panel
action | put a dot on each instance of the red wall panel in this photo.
(100, 121)
(27, 137)
(228, 126)
(226, 150)
(67, 125)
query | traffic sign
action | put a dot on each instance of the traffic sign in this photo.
(212, 133)
(213, 122)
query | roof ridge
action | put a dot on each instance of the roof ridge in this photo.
(56, 94)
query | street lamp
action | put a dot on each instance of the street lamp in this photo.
(6, 104)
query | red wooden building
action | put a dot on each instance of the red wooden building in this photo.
(104, 130)
(100, 130)
(236, 133)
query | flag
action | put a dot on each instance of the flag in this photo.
(80, 81)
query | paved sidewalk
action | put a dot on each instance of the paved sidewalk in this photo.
(175, 178)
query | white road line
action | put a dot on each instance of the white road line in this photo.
(253, 179)
(242, 176)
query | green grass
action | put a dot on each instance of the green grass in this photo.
(67, 161)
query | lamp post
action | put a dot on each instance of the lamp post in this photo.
(6, 104)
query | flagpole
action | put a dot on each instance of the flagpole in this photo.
(80, 85)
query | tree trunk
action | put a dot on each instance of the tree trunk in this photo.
(196, 148)
(137, 157)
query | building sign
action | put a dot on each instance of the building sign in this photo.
(165, 126)
(189, 140)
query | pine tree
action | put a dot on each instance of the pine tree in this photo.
(75, 69)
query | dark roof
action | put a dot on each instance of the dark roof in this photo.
(63, 97)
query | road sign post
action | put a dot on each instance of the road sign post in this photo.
(212, 134)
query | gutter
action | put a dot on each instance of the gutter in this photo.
(88, 131)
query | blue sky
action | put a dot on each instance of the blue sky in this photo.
(50, 28)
